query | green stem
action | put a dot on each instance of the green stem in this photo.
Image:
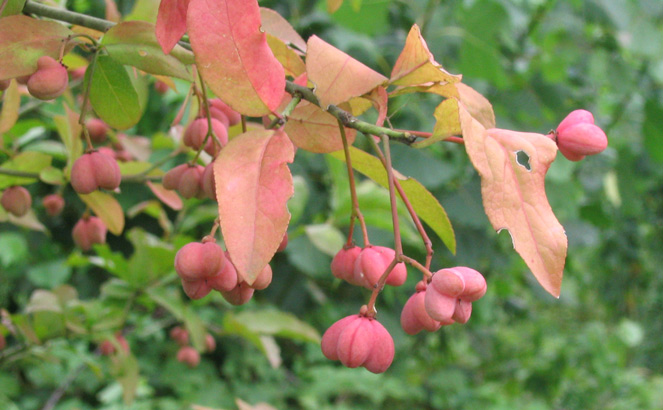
(356, 212)
(32, 7)
(15, 173)
(280, 121)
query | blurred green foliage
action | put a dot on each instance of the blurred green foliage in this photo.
(597, 347)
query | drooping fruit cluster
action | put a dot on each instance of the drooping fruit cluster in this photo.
(363, 267)
(88, 231)
(16, 200)
(221, 117)
(577, 136)
(445, 300)
(187, 354)
(186, 179)
(107, 347)
(359, 340)
(49, 81)
(95, 170)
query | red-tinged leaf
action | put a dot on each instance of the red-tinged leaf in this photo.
(273, 23)
(171, 23)
(24, 39)
(416, 65)
(512, 166)
(380, 100)
(315, 130)
(477, 105)
(107, 208)
(166, 196)
(253, 185)
(337, 76)
(292, 63)
(133, 43)
(233, 56)
(11, 102)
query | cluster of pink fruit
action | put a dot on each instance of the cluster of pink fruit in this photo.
(48, 82)
(107, 347)
(187, 354)
(191, 180)
(360, 340)
(204, 266)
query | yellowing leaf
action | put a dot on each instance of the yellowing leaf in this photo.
(253, 185)
(315, 130)
(232, 54)
(11, 102)
(512, 166)
(447, 123)
(477, 105)
(292, 63)
(107, 208)
(416, 65)
(337, 76)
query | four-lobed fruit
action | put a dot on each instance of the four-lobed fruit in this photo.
(219, 107)
(414, 317)
(372, 262)
(95, 170)
(97, 129)
(185, 179)
(450, 294)
(49, 81)
(207, 181)
(89, 231)
(16, 200)
(189, 356)
(343, 264)
(577, 136)
(359, 340)
(107, 347)
(53, 204)
(196, 132)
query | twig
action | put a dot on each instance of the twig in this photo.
(62, 388)
(356, 212)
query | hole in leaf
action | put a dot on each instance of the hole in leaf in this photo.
(523, 160)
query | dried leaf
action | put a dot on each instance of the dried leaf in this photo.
(253, 185)
(416, 65)
(315, 130)
(234, 58)
(337, 76)
(512, 166)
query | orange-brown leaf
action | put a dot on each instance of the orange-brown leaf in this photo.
(416, 65)
(253, 185)
(337, 76)
(512, 166)
(315, 130)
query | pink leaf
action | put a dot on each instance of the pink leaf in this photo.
(253, 185)
(171, 23)
(337, 76)
(168, 197)
(315, 130)
(512, 166)
(233, 56)
(273, 23)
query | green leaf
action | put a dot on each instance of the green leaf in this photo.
(14, 248)
(49, 274)
(326, 237)
(29, 161)
(69, 131)
(107, 208)
(11, 101)
(423, 202)
(276, 323)
(134, 43)
(151, 258)
(112, 94)
(11, 8)
(52, 175)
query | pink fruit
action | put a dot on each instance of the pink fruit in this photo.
(239, 295)
(475, 284)
(210, 343)
(440, 307)
(371, 264)
(3, 341)
(49, 81)
(97, 129)
(199, 261)
(463, 311)
(4, 84)
(448, 282)
(227, 279)
(233, 116)
(185, 179)
(23, 80)
(581, 140)
(196, 289)
(574, 118)
(16, 200)
(194, 135)
(179, 335)
(358, 340)
(414, 317)
(207, 181)
(161, 87)
(89, 231)
(343, 264)
(107, 347)
(283, 244)
(95, 170)
(53, 203)
(189, 356)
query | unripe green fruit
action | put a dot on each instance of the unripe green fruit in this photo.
(49, 81)
(189, 356)
(89, 231)
(95, 170)
(185, 179)
(16, 200)
(53, 204)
